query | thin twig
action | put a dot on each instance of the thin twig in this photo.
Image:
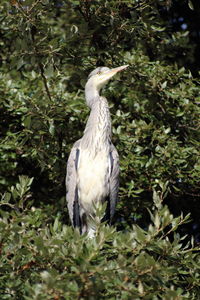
(34, 4)
(44, 80)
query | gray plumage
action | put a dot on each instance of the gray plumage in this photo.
(93, 164)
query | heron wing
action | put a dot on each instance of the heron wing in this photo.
(114, 180)
(71, 185)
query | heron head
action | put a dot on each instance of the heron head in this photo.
(101, 75)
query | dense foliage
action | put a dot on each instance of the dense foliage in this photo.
(41, 259)
(47, 50)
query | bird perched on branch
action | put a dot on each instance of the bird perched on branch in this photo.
(93, 164)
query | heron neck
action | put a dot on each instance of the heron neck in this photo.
(97, 134)
(91, 93)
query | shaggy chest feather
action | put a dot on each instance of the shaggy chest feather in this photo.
(95, 171)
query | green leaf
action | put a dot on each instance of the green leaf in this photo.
(27, 121)
(190, 4)
(20, 63)
(164, 84)
(49, 71)
(51, 127)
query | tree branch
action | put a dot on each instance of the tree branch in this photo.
(44, 80)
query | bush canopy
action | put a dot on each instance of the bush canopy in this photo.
(48, 48)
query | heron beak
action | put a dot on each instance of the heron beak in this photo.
(114, 71)
(118, 69)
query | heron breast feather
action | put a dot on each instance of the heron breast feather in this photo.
(93, 176)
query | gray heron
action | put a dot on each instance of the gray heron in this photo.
(93, 163)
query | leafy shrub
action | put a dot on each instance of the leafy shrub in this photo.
(47, 50)
(45, 260)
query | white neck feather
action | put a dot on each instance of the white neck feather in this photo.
(97, 134)
(91, 93)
